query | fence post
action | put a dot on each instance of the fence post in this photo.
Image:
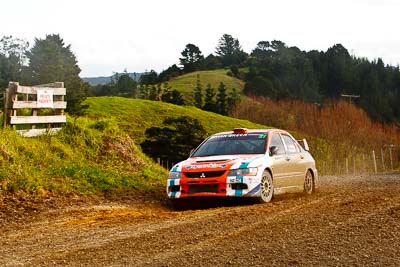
(363, 163)
(354, 164)
(391, 159)
(374, 159)
(347, 166)
(5, 110)
(383, 160)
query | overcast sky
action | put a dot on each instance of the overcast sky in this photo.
(110, 36)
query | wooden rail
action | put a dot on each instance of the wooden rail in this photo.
(44, 103)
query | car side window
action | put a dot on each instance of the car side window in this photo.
(277, 141)
(290, 144)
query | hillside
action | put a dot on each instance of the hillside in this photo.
(187, 82)
(85, 157)
(134, 116)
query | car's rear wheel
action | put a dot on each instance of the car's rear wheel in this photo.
(267, 188)
(309, 185)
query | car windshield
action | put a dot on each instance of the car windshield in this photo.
(231, 144)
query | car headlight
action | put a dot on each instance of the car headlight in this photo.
(174, 175)
(243, 172)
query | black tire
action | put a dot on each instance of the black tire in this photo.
(309, 183)
(267, 188)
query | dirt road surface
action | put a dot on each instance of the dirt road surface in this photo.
(350, 221)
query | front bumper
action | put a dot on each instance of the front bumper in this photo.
(231, 186)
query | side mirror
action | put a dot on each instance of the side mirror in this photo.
(306, 147)
(273, 150)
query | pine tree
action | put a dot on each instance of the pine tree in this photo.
(209, 102)
(222, 105)
(198, 93)
(167, 94)
(153, 93)
(177, 98)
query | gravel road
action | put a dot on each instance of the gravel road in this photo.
(351, 220)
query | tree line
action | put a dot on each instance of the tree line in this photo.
(272, 70)
(279, 72)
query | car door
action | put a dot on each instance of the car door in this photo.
(295, 158)
(279, 162)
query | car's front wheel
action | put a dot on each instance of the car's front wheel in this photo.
(267, 188)
(309, 185)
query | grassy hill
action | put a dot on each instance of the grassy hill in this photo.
(186, 83)
(86, 156)
(134, 116)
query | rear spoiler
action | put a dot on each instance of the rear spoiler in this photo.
(305, 144)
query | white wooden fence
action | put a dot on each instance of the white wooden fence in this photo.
(35, 109)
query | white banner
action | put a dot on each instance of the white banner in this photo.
(44, 99)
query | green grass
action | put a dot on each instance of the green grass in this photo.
(134, 116)
(187, 83)
(87, 156)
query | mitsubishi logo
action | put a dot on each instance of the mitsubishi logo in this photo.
(202, 175)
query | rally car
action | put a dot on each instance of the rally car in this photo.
(244, 163)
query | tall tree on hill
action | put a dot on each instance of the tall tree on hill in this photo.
(153, 93)
(167, 94)
(177, 98)
(222, 104)
(198, 93)
(209, 102)
(169, 73)
(191, 58)
(230, 51)
(51, 60)
(338, 68)
(126, 85)
(212, 62)
(233, 99)
(12, 59)
(149, 78)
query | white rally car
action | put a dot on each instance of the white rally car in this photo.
(244, 163)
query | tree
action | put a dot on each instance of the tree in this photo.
(174, 140)
(144, 91)
(126, 85)
(12, 59)
(177, 98)
(212, 62)
(198, 93)
(153, 93)
(230, 51)
(169, 73)
(191, 58)
(167, 94)
(51, 60)
(209, 102)
(221, 103)
(233, 99)
(149, 78)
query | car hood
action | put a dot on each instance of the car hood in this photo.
(220, 162)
